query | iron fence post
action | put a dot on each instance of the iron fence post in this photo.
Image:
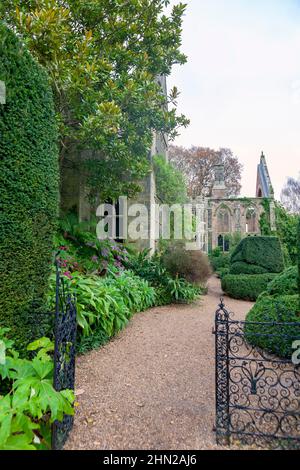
(64, 354)
(222, 375)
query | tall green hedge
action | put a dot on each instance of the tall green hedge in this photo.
(29, 188)
(263, 252)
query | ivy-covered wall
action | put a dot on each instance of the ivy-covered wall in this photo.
(286, 229)
(29, 188)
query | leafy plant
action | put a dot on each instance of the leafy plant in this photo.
(95, 340)
(168, 289)
(286, 229)
(103, 58)
(219, 260)
(170, 184)
(106, 303)
(78, 249)
(30, 404)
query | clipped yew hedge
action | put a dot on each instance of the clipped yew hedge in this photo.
(246, 286)
(29, 189)
(272, 337)
(240, 267)
(256, 255)
(285, 283)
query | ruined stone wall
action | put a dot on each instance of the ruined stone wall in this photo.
(229, 216)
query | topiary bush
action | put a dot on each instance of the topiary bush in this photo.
(29, 189)
(285, 283)
(264, 252)
(274, 338)
(246, 286)
(240, 267)
(193, 266)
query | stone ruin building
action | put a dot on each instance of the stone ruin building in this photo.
(227, 216)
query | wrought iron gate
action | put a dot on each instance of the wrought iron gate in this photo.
(65, 327)
(257, 393)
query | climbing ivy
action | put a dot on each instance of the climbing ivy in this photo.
(286, 229)
(264, 222)
(170, 184)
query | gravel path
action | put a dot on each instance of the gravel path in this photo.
(153, 386)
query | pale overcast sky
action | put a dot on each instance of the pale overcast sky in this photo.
(241, 85)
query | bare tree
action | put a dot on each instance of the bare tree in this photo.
(197, 163)
(290, 195)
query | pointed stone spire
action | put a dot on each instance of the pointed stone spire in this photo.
(263, 185)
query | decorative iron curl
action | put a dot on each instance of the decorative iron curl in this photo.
(65, 329)
(257, 393)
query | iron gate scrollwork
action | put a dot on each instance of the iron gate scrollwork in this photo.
(65, 328)
(257, 393)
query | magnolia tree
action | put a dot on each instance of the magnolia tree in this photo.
(103, 57)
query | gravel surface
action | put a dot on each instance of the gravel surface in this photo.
(153, 386)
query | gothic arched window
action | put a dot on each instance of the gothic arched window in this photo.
(223, 221)
(251, 225)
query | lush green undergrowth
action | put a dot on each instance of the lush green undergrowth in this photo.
(111, 282)
(28, 402)
(219, 262)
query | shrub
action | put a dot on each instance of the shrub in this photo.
(219, 261)
(106, 304)
(80, 250)
(222, 272)
(240, 267)
(265, 252)
(193, 266)
(29, 404)
(170, 184)
(285, 283)
(29, 189)
(95, 340)
(246, 286)
(276, 339)
(167, 289)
